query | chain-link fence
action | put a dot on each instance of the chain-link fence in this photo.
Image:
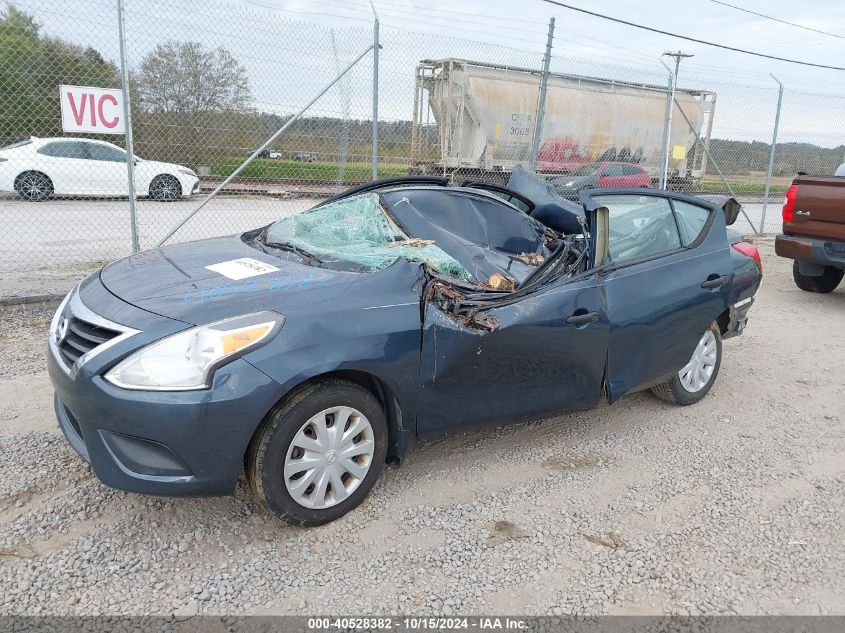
(210, 84)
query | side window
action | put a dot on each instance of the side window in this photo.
(105, 152)
(639, 227)
(614, 170)
(630, 170)
(64, 149)
(691, 220)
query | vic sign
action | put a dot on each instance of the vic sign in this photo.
(86, 109)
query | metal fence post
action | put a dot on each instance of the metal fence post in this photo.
(344, 133)
(127, 118)
(541, 102)
(771, 157)
(667, 120)
(376, 47)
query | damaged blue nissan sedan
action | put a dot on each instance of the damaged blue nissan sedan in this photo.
(308, 353)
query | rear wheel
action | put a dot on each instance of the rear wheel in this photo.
(165, 187)
(320, 453)
(696, 378)
(826, 282)
(34, 186)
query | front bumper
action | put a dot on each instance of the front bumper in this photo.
(169, 443)
(811, 251)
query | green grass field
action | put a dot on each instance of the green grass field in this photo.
(308, 172)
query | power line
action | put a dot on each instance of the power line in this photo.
(691, 39)
(774, 19)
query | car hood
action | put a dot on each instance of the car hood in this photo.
(176, 282)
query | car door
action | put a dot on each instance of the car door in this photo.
(64, 161)
(546, 356)
(107, 168)
(667, 277)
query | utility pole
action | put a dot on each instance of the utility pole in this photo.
(678, 55)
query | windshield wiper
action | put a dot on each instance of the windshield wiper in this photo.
(289, 247)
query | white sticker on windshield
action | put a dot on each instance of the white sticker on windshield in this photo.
(242, 268)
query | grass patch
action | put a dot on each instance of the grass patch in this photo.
(747, 187)
(306, 172)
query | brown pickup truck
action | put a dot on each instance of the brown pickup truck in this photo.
(814, 231)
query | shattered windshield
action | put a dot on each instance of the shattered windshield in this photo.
(358, 230)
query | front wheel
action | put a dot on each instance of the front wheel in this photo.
(165, 188)
(320, 453)
(824, 283)
(696, 378)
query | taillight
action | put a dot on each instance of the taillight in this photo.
(749, 250)
(789, 203)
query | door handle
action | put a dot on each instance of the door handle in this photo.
(715, 282)
(583, 319)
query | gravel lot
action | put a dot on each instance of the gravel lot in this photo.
(734, 505)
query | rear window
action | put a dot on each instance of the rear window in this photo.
(64, 149)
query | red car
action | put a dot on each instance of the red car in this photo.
(597, 175)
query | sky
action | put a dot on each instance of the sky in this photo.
(524, 25)
(291, 48)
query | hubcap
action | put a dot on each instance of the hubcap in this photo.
(698, 371)
(329, 457)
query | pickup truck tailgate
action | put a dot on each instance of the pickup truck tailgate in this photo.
(819, 208)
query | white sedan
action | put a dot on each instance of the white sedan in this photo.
(40, 167)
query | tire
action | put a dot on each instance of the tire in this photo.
(826, 282)
(277, 451)
(683, 389)
(34, 186)
(166, 188)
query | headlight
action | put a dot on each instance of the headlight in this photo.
(187, 360)
(187, 172)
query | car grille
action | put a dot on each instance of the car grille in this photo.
(81, 338)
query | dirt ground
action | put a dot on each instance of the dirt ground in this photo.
(733, 505)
